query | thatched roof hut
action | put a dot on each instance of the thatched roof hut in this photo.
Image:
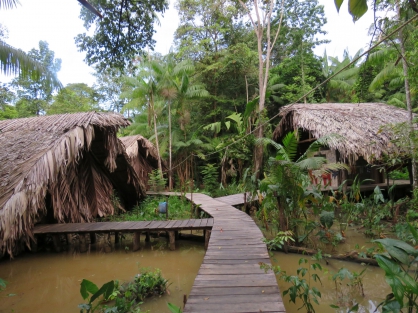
(62, 168)
(142, 154)
(359, 124)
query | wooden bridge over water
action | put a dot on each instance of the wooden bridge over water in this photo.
(230, 278)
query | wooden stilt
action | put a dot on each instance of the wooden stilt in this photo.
(136, 241)
(177, 234)
(56, 242)
(172, 240)
(147, 237)
(116, 237)
(207, 237)
(83, 243)
(69, 239)
(34, 245)
(92, 238)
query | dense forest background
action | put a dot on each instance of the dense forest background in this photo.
(208, 104)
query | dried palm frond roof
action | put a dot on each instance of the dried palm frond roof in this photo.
(138, 144)
(359, 126)
(143, 155)
(59, 155)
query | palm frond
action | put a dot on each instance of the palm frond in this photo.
(312, 163)
(290, 144)
(390, 71)
(16, 62)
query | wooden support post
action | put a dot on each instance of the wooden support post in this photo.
(57, 243)
(136, 241)
(83, 243)
(207, 237)
(176, 234)
(172, 240)
(147, 237)
(34, 244)
(69, 239)
(92, 238)
(166, 209)
(116, 237)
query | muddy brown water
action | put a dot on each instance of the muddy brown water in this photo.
(49, 282)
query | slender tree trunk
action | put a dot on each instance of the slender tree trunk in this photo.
(170, 173)
(157, 144)
(408, 103)
(261, 22)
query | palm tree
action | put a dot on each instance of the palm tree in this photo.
(288, 176)
(175, 87)
(340, 86)
(144, 89)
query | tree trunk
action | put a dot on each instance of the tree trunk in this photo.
(170, 173)
(157, 144)
(408, 103)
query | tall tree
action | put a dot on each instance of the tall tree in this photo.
(144, 90)
(74, 98)
(176, 87)
(125, 30)
(109, 84)
(261, 15)
(35, 93)
(7, 98)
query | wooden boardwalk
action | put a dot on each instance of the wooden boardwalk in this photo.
(171, 227)
(230, 278)
(237, 199)
(105, 227)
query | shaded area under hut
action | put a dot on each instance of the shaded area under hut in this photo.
(61, 168)
(360, 140)
(142, 155)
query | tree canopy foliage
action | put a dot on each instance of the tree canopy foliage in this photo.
(125, 30)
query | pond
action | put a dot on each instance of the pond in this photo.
(375, 287)
(49, 282)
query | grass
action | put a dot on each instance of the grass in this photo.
(147, 210)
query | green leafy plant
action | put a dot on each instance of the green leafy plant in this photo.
(144, 285)
(124, 298)
(3, 284)
(301, 282)
(90, 291)
(399, 263)
(210, 177)
(326, 219)
(173, 308)
(281, 238)
(156, 181)
(345, 291)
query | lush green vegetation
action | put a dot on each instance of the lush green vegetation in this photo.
(211, 103)
(122, 298)
(148, 210)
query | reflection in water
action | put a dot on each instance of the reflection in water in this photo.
(375, 287)
(49, 282)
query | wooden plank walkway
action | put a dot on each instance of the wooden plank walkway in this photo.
(230, 278)
(237, 199)
(105, 227)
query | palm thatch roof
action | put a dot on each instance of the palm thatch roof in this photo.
(142, 154)
(65, 167)
(359, 126)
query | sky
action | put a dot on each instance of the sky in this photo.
(57, 22)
